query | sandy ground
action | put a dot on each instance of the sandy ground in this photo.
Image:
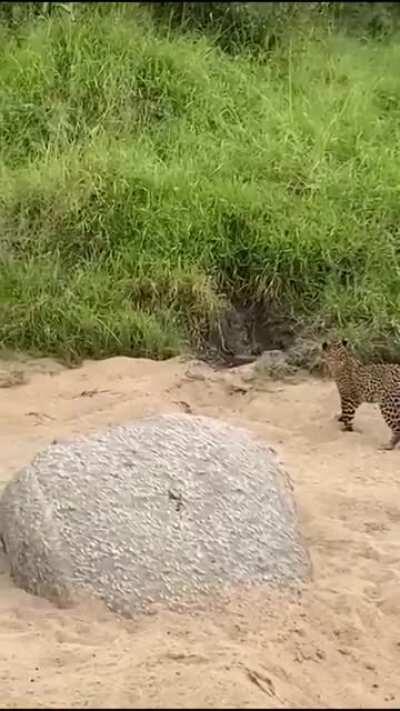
(336, 646)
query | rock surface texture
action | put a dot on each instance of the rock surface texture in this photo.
(161, 509)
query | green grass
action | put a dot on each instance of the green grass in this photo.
(148, 180)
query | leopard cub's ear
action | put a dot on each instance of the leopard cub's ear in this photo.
(324, 345)
(345, 342)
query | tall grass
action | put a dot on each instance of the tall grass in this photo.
(148, 179)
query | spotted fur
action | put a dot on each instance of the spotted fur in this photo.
(358, 383)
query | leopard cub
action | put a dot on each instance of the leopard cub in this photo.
(358, 383)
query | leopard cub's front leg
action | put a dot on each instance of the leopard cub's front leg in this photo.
(346, 416)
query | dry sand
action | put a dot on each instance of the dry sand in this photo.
(336, 646)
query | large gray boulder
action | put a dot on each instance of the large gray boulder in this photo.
(161, 509)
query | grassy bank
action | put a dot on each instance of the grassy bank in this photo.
(146, 180)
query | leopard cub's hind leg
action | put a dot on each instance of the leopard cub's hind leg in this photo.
(390, 410)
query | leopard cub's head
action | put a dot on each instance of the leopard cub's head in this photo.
(336, 354)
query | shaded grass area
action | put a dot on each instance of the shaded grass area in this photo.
(148, 181)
